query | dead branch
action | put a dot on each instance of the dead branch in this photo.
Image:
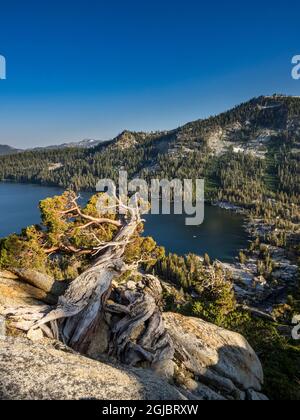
(76, 211)
(138, 336)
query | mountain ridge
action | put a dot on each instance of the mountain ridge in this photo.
(269, 114)
(262, 128)
(85, 144)
(8, 150)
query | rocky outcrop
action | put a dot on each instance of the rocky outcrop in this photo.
(223, 367)
(14, 292)
(189, 358)
(48, 370)
(263, 291)
(220, 360)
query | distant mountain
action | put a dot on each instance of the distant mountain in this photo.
(7, 150)
(247, 128)
(266, 128)
(250, 128)
(83, 144)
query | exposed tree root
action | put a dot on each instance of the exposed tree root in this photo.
(137, 336)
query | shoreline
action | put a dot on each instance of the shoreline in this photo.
(249, 285)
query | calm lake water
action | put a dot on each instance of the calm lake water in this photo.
(221, 235)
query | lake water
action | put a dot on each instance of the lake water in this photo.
(221, 235)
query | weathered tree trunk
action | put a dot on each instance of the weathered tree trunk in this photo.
(140, 336)
(137, 336)
(83, 300)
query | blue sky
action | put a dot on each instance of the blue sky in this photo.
(89, 69)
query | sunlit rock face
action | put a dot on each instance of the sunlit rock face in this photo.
(48, 370)
(219, 359)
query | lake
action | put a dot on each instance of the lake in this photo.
(221, 235)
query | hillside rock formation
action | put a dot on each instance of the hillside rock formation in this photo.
(208, 363)
(48, 370)
(222, 360)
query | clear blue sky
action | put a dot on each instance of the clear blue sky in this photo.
(89, 69)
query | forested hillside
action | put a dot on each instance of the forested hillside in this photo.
(7, 150)
(248, 151)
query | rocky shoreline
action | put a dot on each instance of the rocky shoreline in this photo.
(250, 285)
(225, 205)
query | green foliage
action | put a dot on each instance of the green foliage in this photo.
(242, 257)
(65, 242)
(207, 260)
(144, 250)
(208, 293)
(23, 251)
